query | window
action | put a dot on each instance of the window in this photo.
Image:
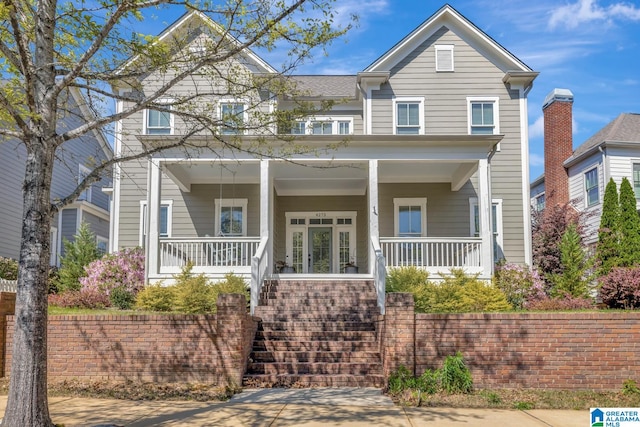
(410, 217)
(540, 202)
(83, 172)
(409, 116)
(233, 116)
(636, 179)
(444, 57)
(323, 126)
(231, 217)
(496, 225)
(483, 116)
(159, 122)
(166, 208)
(592, 195)
(103, 245)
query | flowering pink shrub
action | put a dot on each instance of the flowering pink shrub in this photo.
(519, 283)
(621, 288)
(80, 299)
(563, 302)
(124, 269)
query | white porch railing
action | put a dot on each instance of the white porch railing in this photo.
(435, 254)
(207, 254)
(8, 285)
(259, 264)
(379, 273)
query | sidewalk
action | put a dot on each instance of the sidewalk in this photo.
(288, 411)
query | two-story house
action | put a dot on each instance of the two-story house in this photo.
(579, 176)
(74, 160)
(429, 168)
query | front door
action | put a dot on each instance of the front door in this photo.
(320, 242)
(320, 254)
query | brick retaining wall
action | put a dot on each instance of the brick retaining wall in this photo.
(579, 351)
(159, 348)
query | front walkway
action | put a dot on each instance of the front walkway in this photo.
(104, 412)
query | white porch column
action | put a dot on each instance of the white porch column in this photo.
(484, 211)
(153, 218)
(374, 231)
(266, 205)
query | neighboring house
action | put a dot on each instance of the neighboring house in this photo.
(73, 160)
(437, 141)
(579, 177)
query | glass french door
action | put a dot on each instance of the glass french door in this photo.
(320, 253)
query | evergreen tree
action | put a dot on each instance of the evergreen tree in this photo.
(573, 278)
(77, 254)
(607, 250)
(629, 223)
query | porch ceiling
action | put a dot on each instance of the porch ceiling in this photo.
(321, 177)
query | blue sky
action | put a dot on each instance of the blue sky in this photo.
(591, 47)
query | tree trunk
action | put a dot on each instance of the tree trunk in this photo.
(27, 404)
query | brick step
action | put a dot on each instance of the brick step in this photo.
(318, 287)
(322, 368)
(316, 356)
(319, 326)
(269, 315)
(299, 381)
(317, 297)
(326, 346)
(316, 335)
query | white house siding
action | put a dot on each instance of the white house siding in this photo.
(620, 163)
(591, 215)
(445, 107)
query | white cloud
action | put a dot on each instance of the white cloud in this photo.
(536, 159)
(573, 15)
(536, 130)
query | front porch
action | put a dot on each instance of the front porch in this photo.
(255, 217)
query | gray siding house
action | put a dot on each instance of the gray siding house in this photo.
(434, 171)
(72, 160)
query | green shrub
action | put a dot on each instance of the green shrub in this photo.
(194, 294)
(231, 284)
(411, 280)
(156, 298)
(455, 376)
(519, 283)
(480, 296)
(8, 268)
(121, 298)
(77, 255)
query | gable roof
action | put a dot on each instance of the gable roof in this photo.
(197, 19)
(448, 17)
(623, 129)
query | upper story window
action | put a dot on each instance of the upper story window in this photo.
(158, 122)
(444, 57)
(636, 179)
(233, 117)
(231, 217)
(483, 116)
(324, 126)
(410, 217)
(83, 172)
(409, 116)
(591, 188)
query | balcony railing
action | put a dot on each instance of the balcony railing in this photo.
(435, 254)
(209, 254)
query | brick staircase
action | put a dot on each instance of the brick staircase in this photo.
(318, 333)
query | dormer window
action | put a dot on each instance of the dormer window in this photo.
(444, 57)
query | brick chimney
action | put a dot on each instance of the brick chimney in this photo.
(558, 145)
